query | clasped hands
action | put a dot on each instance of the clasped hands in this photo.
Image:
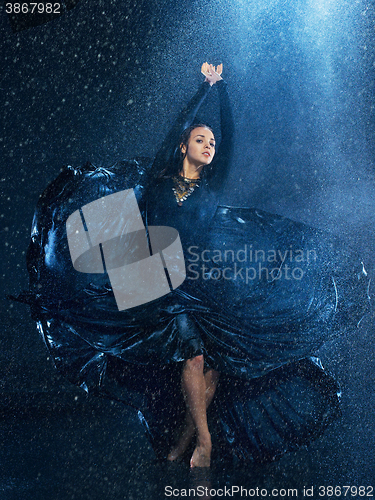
(211, 73)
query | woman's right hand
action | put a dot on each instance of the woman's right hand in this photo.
(211, 73)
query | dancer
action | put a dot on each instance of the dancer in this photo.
(261, 295)
(183, 192)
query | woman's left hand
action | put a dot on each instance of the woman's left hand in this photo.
(211, 73)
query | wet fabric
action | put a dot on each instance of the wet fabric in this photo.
(262, 293)
(248, 331)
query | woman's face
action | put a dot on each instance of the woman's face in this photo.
(200, 149)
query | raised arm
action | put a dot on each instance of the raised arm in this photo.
(218, 173)
(167, 154)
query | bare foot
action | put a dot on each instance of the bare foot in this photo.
(183, 442)
(202, 453)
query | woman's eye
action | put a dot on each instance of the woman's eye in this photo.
(212, 145)
(199, 140)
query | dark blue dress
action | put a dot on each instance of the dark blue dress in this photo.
(262, 293)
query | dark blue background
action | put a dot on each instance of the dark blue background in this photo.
(104, 82)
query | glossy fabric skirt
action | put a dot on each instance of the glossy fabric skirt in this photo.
(262, 293)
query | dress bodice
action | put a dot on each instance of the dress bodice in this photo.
(191, 218)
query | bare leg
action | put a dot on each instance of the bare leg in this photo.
(199, 390)
(202, 454)
(188, 429)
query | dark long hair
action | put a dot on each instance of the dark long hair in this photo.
(175, 166)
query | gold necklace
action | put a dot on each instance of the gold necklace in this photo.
(183, 187)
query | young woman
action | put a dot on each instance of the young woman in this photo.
(262, 293)
(188, 176)
(248, 321)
